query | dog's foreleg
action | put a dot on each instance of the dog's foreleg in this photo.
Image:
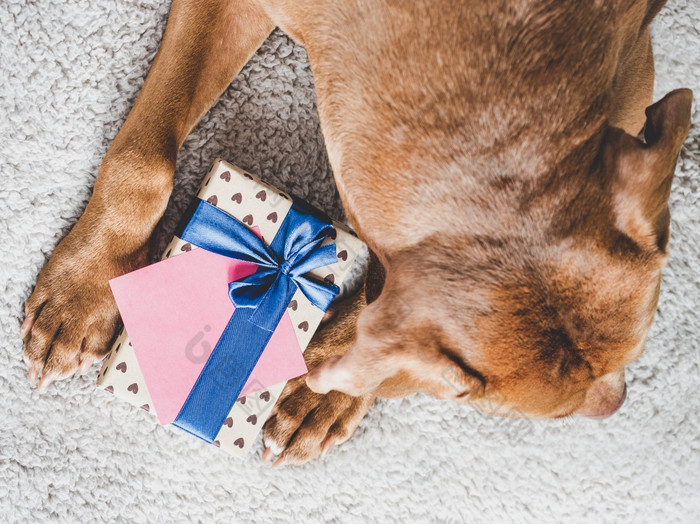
(71, 315)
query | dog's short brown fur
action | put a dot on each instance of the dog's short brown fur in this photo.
(487, 152)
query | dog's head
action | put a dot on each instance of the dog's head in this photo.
(541, 320)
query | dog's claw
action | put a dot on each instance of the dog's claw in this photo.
(327, 446)
(46, 380)
(33, 374)
(86, 364)
(26, 326)
(267, 455)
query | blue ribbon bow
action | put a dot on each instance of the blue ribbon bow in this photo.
(260, 299)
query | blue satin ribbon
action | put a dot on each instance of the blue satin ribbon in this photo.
(260, 299)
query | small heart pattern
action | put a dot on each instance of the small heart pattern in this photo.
(293, 305)
(146, 407)
(186, 247)
(265, 395)
(226, 175)
(213, 200)
(239, 442)
(272, 217)
(253, 419)
(237, 198)
(109, 389)
(304, 326)
(241, 400)
(248, 219)
(229, 422)
(343, 255)
(261, 195)
(122, 367)
(134, 388)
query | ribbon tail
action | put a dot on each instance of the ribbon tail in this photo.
(319, 294)
(232, 361)
(220, 383)
(247, 292)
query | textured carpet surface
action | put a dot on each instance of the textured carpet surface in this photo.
(69, 72)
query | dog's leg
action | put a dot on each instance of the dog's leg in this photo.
(305, 424)
(71, 315)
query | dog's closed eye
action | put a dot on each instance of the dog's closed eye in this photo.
(461, 377)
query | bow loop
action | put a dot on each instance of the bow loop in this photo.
(301, 238)
(215, 230)
(248, 291)
(318, 257)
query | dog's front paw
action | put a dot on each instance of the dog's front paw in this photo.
(305, 424)
(71, 315)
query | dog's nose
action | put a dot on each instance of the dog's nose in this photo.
(606, 408)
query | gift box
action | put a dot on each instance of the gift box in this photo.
(219, 325)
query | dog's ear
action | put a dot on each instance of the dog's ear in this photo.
(640, 173)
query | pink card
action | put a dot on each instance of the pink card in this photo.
(174, 312)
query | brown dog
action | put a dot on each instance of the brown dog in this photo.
(485, 151)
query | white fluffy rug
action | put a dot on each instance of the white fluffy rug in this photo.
(69, 72)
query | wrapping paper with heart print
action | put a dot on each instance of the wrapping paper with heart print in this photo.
(261, 207)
